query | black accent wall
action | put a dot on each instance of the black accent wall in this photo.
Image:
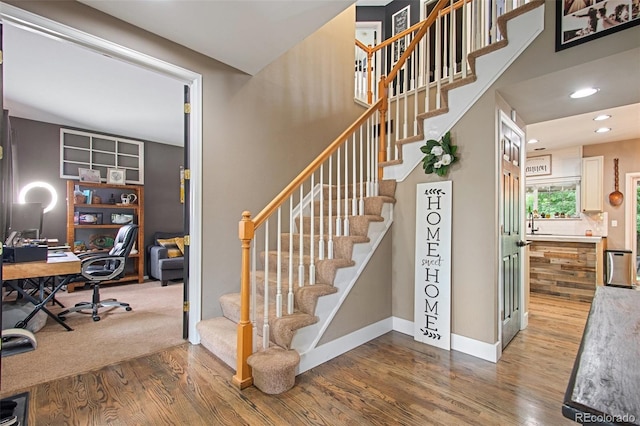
(37, 157)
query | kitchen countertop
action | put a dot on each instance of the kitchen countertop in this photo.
(564, 238)
(605, 381)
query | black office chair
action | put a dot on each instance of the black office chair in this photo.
(98, 267)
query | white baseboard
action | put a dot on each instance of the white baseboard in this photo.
(323, 353)
(487, 351)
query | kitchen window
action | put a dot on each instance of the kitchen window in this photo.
(554, 198)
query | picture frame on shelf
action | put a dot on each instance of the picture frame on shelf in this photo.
(121, 218)
(89, 218)
(89, 175)
(579, 21)
(115, 176)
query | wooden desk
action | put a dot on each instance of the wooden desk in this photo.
(605, 383)
(67, 266)
(54, 266)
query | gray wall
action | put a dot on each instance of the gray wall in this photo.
(38, 158)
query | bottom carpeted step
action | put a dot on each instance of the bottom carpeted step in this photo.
(274, 370)
(220, 336)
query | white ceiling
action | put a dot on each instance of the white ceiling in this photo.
(51, 80)
(558, 121)
(80, 88)
(246, 34)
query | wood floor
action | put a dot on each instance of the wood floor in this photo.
(391, 380)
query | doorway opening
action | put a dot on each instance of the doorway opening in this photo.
(632, 222)
(31, 22)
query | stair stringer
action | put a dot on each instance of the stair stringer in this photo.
(306, 339)
(522, 30)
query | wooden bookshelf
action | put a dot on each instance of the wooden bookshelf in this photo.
(91, 233)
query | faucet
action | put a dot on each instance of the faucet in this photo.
(532, 225)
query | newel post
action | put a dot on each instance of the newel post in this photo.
(382, 148)
(243, 377)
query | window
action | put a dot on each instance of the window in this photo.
(554, 198)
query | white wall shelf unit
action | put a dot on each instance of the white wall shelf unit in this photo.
(80, 149)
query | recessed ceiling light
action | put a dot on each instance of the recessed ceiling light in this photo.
(533, 141)
(603, 130)
(602, 117)
(583, 93)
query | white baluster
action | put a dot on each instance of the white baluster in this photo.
(338, 197)
(354, 196)
(279, 267)
(361, 204)
(265, 318)
(427, 59)
(465, 34)
(312, 243)
(438, 60)
(345, 227)
(291, 231)
(252, 311)
(321, 219)
(300, 238)
(330, 219)
(452, 45)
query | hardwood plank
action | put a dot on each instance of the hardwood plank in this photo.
(390, 380)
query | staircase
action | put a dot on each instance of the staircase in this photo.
(314, 304)
(304, 252)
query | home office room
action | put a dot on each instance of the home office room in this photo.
(93, 194)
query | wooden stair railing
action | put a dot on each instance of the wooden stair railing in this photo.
(368, 140)
(363, 142)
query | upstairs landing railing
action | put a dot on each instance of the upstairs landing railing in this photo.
(436, 56)
(330, 191)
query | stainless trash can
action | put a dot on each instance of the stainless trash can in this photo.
(619, 268)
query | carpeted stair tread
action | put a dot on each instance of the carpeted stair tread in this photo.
(358, 225)
(372, 205)
(342, 245)
(385, 188)
(282, 329)
(305, 297)
(280, 333)
(219, 336)
(325, 269)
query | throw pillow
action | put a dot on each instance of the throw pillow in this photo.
(172, 248)
(180, 243)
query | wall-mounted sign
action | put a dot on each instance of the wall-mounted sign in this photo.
(432, 311)
(538, 166)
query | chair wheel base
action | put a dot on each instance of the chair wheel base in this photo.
(62, 318)
(128, 308)
(96, 318)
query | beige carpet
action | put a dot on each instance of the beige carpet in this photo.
(155, 323)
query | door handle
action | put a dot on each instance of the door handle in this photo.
(523, 243)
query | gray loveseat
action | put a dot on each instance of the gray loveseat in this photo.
(162, 267)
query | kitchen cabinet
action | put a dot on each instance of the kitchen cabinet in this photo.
(93, 222)
(592, 191)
